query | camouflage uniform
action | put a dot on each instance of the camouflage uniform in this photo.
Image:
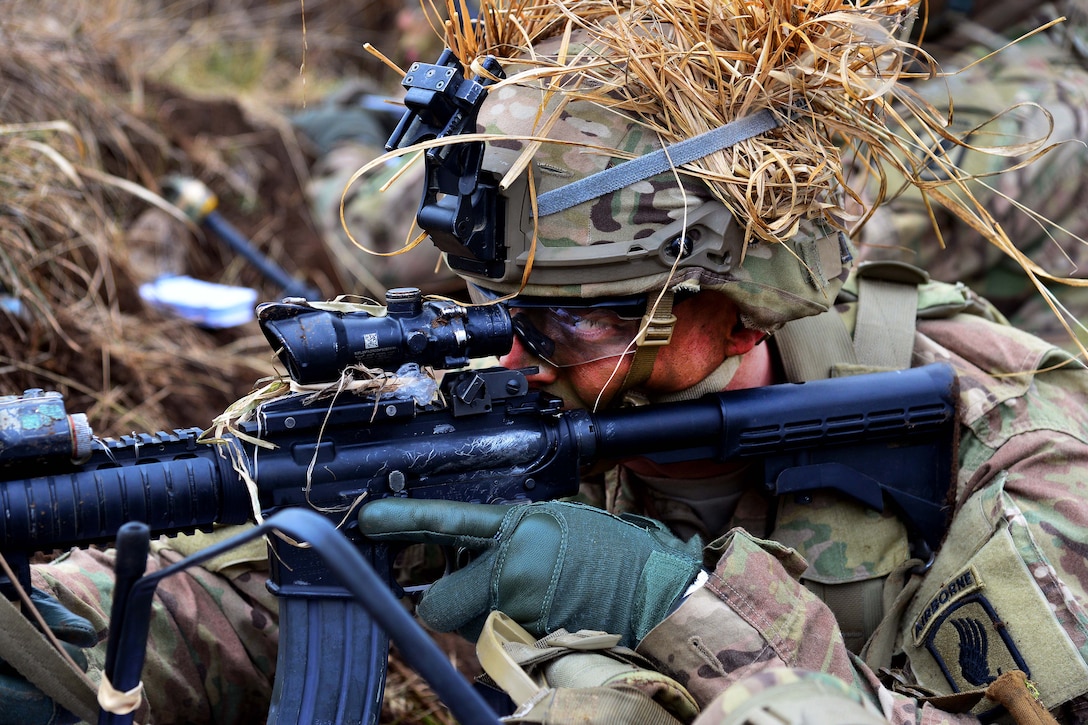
(1046, 69)
(211, 651)
(1008, 587)
(1006, 591)
(828, 582)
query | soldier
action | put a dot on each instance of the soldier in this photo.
(738, 605)
(808, 609)
(1049, 69)
(347, 130)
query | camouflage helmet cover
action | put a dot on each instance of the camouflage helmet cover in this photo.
(626, 242)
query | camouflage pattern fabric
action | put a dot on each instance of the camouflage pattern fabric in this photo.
(790, 695)
(1007, 590)
(379, 220)
(1047, 70)
(777, 281)
(211, 652)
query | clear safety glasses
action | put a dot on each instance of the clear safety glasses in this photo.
(565, 336)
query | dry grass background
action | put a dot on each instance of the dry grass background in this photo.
(100, 101)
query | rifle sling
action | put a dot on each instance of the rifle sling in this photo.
(809, 346)
(34, 657)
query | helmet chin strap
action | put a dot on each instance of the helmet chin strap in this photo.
(657, 326)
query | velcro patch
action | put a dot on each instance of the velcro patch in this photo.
(958, 586)
(965, 635)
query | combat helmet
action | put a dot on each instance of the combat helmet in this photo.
(662, 229)
(565, 175)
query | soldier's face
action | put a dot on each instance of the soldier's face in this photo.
(706, 333)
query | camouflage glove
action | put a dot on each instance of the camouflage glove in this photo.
(21, 703)
(545, 565)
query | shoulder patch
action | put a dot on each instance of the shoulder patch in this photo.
(958, 586)
(965, 635)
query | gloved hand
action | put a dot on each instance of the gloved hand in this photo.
(546, 565)
(21, 703)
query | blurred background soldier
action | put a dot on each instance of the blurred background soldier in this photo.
(346, 131)
(1049, 69)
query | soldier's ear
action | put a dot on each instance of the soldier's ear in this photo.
(742, 340)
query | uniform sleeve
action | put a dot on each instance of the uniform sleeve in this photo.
(212, 644)
(752, 621)
(1013, 563)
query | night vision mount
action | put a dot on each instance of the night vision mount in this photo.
(462, 213)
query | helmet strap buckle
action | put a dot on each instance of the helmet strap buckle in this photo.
(657, 327)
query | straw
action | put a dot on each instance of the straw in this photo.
(833, 70)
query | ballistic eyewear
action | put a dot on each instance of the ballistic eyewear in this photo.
(565, 336)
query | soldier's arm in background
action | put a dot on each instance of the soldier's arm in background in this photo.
(1047, 70)
(211, 650)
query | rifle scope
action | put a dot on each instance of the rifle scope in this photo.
(316, 344)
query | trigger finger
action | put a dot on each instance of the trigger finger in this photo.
(446, 523)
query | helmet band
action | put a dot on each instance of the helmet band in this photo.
(658, 162)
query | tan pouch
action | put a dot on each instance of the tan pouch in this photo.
(251, 556)
(577, 677)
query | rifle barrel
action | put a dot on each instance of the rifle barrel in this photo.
(173, 485)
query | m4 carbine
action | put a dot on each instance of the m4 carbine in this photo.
(883, 439)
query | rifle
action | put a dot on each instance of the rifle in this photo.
(882, 438)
